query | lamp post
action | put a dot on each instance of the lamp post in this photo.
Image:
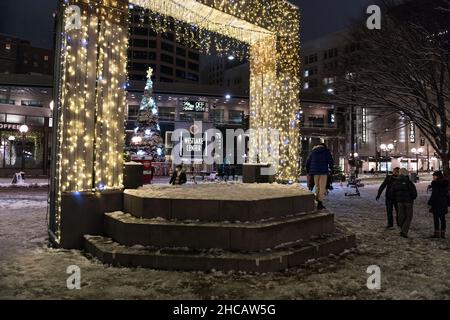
(387, 149)
(23, 129)
(11, 141)
(417, 152)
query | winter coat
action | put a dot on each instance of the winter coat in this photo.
(182, 179)
(403, 190)
(320, 161)
(387, 184)
(439, 197)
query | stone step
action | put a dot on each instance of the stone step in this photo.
(252, 236)
(216, 210)
(112, 253)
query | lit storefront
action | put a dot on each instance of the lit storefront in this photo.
(30, 106)
(181, 111)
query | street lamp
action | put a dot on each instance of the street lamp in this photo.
(417, 152)
(11, 139)
(23, 129)
(387, 148)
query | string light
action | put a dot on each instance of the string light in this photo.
(93, 75)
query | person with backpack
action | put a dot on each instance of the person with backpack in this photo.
(403, 193)
(439, 202)
(390, 205)
(319, 164)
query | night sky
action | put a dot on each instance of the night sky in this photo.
(32, 19)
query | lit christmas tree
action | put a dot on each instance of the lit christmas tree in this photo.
(147, 142)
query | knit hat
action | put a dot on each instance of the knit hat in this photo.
(438, 174)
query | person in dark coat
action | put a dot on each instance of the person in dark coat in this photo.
(179, 176)
(439, 204)
(390, 205)
(320, 164)
(403, 193)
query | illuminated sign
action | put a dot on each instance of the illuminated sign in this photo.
(9, 126)
(412, 132)
(194, 106)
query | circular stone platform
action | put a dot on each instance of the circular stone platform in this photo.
(220, 191)
(256, 227)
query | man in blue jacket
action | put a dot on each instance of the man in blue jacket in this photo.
(320, 164)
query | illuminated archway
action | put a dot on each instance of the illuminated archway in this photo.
(92, 77)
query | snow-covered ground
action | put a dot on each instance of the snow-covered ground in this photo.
(414, 268)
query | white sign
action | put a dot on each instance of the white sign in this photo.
(73, 18)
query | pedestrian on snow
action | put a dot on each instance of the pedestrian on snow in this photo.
(320, 164)
(179, 176)
(403, 193)
(439, 203)
(390, 205)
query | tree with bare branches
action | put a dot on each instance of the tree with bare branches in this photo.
(405, 66)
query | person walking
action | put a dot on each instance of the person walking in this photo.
(179, 176)
(390, 205)
(319, 164)
(439, 204)
(403, 193)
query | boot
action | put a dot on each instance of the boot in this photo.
(436, 235)
(443, 234)
(320, 205)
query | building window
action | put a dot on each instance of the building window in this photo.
(219, 116)
(13, 118)
(306, 85)
(143, 55)
(166, 70)
(181, 74)
(167, 113)
(46, 58)
(133, 111)
(32, 103)
(193, 66)
(236, 116)
(168, 36)
(166, 58)
(166, 47)
(192, 77)
(35, 121)
(140, 43)
(152, 44)
(8, 46)
(306, 73)
(139, 31)
(181, 63)
(194, 55)
(181, 52)
(140, 66)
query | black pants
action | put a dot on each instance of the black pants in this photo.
(439, 222)
(390, 205)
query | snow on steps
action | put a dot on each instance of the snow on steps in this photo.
(244, 237)
(280, 259)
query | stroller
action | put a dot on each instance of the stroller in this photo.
(355, 183)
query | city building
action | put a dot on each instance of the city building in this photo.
(171, 60)
(25, 100)
(19, 56)
(355, 131)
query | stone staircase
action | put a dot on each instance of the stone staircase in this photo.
(258, 235)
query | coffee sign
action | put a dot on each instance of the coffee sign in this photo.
(9, 126)
(194, 106)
